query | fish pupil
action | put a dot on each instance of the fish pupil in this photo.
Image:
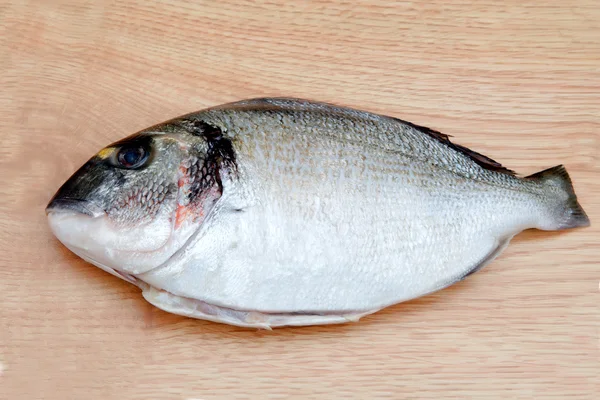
(130, 157)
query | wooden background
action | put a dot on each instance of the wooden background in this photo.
(516, 80)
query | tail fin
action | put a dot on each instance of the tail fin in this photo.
(569, 213)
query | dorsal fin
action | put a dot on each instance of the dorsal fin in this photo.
(283, 103)
(479, 159)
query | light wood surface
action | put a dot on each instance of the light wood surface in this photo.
(516, 80)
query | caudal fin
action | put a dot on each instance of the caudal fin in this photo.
(568, 213)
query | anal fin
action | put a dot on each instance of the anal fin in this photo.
(502, 244)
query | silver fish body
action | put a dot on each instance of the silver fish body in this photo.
(290, 212)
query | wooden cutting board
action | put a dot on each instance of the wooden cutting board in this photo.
(516, 80)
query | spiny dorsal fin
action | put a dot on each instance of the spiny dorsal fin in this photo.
(479, 159)
(283, 103)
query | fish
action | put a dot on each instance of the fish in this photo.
(272, 212)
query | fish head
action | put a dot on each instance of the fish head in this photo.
(135, 203)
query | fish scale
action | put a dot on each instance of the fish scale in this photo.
(304, 213)
(340, 272)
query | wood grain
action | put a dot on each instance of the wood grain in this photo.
(516, 80)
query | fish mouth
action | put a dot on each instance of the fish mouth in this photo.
(80, 206)
(123, 275)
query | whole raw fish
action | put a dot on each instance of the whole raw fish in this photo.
(273, 212)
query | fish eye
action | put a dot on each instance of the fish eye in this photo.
(132, 156)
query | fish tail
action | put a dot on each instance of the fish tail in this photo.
(565, 210)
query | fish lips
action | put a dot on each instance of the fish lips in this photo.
(80, 206)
